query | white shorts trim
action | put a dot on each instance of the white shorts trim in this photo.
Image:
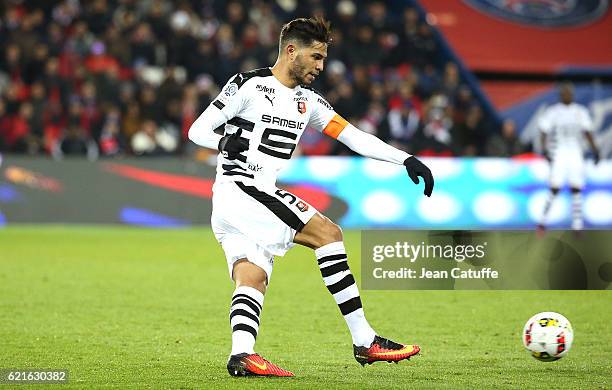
(237, 247)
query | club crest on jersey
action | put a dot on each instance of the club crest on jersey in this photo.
(303, 207)
(301, 106)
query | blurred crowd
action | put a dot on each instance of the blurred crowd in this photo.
(129, 77)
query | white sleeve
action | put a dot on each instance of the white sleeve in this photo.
(322, 113)
(324, 119)
(226, 106)
(545, 123)
(370, 146)
(586, 122)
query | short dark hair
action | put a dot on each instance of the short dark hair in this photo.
(305, 31)
(566, 85)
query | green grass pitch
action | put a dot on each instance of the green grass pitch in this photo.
(138, 308)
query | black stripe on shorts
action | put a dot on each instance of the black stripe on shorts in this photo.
(273, 204)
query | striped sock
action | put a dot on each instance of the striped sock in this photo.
(341, 284)
(247, 303)
(577, 223)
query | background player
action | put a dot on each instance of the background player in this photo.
(265, 112)
(562, 126)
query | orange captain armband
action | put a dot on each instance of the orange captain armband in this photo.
(335, 126)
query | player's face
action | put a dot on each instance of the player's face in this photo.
(309, 62)
(567, 96)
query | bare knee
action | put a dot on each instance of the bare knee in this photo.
(319, 231)
(333, 233)
(248, 274)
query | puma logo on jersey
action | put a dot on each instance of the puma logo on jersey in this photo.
(270, 99)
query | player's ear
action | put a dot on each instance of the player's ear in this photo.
(291, 51)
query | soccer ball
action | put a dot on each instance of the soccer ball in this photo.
(548, 336)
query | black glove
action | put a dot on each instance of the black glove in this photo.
(232, 145)
(596, 157)
(547, 156)
(416, 168)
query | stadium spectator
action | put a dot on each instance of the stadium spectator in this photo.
(401, 124)
(142, 45)
(345, 21)
(112, 142)
(151, 140)
(505, 144)
(18, 136)
(5, 125)
(76, 143)
(429, 82)
(132, 120)
(451, 81)
(470, 136)
(99, 61)
(38, 101)
(434, 136)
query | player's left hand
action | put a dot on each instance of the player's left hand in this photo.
(595, 158)
(416, 168)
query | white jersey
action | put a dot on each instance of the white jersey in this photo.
(251, 218)
(272, 118)
(565, 124)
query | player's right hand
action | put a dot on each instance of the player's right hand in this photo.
(416, 168)
(232, 145)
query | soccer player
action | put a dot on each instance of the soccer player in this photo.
(255, 123)
(562, 127)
